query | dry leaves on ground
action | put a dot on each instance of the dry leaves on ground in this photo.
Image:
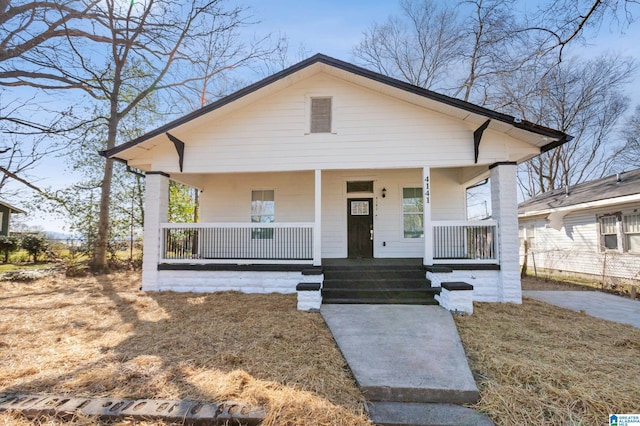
(100, 336)
(539, 364)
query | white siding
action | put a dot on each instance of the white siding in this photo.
(227, 198)
(370, 130)
(448, 203)
(575, 247)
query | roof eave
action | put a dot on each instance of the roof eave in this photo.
(560, 137)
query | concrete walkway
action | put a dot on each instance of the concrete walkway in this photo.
(594, 303)
(408, 361)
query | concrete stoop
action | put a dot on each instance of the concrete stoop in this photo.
(425, 414)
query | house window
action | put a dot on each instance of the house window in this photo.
(360, 186)
(263, 210)
(631, 226)
(527, 232)
(412, 212)
(609, 232)
(320, 115)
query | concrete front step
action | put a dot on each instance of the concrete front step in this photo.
(421, 414)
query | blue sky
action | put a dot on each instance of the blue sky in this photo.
(335, 27)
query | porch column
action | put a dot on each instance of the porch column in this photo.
(317, 220)
(428, 229)
(504, 205)
(156, 211)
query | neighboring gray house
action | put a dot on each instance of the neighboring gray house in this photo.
(326, 162)
(591, 228)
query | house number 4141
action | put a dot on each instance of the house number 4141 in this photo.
(426, 190)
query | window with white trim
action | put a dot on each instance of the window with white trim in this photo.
(620, 232)
(320, 121)
(412, 212)
(631, 228)
(263, 210)
(609, 232)
(527, 232)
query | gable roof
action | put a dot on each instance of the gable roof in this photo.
(552, 138)
(618, 188)
(10, 207)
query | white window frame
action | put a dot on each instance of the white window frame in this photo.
(410, 213)
(602, 235)
(626, 232)
(262, 233)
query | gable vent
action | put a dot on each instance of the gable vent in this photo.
(320, 115)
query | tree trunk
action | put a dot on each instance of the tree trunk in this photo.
(100, 263)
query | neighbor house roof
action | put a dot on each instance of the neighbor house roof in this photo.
(615, 189)
(10, 207)
(546, 139)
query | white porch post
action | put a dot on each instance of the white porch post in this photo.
(156, 211)
(428, 229)
(504, 205)
(317, 220)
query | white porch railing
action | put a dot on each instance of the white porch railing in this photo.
(237, 242)
(465, 242)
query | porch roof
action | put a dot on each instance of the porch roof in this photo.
(540, 136)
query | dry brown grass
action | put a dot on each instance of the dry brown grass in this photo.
(532, 283)
(538, 364)
(102, 337)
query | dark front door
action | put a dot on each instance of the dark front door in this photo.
(360, 227)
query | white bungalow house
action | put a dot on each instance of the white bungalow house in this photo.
(326, 161)
(590, 229)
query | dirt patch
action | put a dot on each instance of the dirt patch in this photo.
(102, 337)
(538, 364)
(532, 283)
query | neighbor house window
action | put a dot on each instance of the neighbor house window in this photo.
(320, 115)
(412, 212)
(609, 232)
(631, 226)
(263, 210)
(527, 232)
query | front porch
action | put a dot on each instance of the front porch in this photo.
(280, 247)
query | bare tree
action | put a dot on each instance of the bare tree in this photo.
(558, 23)
(582, 98)
(631, 136)
(419, 46)
(136, 49)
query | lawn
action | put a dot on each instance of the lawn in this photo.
(100, 336)
(538, 364)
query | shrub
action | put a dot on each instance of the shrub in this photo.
(8, 244)
(35, 244)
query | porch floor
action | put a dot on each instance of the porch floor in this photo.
(405, 261)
